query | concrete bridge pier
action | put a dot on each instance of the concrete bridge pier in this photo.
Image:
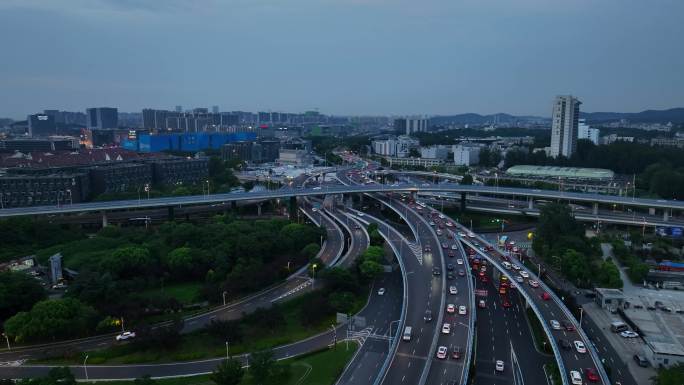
(293, 206)
(530, 203)
(105, 223)
(233, 205)
(259, 209)
(463, 201)
(594, 208)
(666, 216)
(170, 213)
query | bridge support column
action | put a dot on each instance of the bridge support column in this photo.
(594, 208)
(292, 207)
(171, 213)
(666, 217)
(105, 223)
(233, 205)
(463, 202)
(530, 203)
(258, 209)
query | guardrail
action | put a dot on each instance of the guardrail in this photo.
(530, 302)
(471, 326)
(402, 319)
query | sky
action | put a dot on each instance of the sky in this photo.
(344, 57)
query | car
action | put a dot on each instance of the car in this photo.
(441, 216)
(484, 279)
(459, 261)
(441, 352)
(565, 344)
(534, 283)
(579, 346)
(481, 304)
(461, 273)
(450, 308)
(454, 247)
(590, 374)
(575, 377)
(316, 188)
(499, 366)
(449, 224)
(471, 235)
(450, 275)
(629, 334)
(545, 296)
(436, 271)
(555, 325)
(428, 315)
(461, 234)
(456, 353)
(641, 360)
(453, 290)
(462, 310)
(446, 328)
(125, 336)
(450, 267)
(506, 303)
(439, 232)
(568, 326)
(381, 291)
(515, 267)
(524, 274)
(445, 245)
(432, 223)
(520, 279)
(451, 254)
(426, 249)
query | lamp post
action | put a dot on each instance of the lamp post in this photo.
(581, 314)
(7, 339)
(85, 368)
(224, 298)
(227, 350)
(313, 278)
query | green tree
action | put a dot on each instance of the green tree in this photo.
(229, 372)
(670, 376)
(370, 269)
(467, 179)
(261, 366)
(179, 261)
(341, 301)
(18, 292)
(311, 250)
(51, 320)
(145, 380)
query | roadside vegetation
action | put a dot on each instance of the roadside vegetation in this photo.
(560, 241)
(139, 275)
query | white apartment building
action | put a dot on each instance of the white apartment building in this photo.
(465, 155)
(585, 131)
(564, 121)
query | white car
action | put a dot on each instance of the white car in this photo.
(441, 352)
(462, 310)
(520, 279)
(629, 334)
(579, 346)
(459, 261)
(314, 209)
(451, 309)
(381, 291)
(471, 235)
(524, 274)
(515, 267)
(316, 188)
(575, 377)
(446, 328)
(533, 283)
(499, 366)
(125, 335)
(555, 325)
(441, 216)
(461, 234)
(454, 247)
(453, 290)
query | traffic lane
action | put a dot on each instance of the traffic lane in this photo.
(572, 359)
(408, 363)
(379, 313)
(121, 372)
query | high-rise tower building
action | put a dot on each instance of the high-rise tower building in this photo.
(564, 121)
(102, 118)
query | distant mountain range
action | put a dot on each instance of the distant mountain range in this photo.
(674, 115)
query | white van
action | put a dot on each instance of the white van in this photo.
(507, 265)
(618, 326)
(407, 334)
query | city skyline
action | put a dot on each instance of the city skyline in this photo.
(469, 57)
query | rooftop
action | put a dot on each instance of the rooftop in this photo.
(563, 172)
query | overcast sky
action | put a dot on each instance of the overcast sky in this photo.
(341, 56)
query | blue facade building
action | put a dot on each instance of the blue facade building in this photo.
(190, 142)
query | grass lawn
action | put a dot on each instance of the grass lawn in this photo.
(540, 340)
(201, 345)
(319, 368)
(184, 293)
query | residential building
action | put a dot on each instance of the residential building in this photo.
(41, 125)
(466, 155)
(404, 145)
(421, 162)
(39, 190)
(564, 122)
(585, 131)
(178, 171)
(612, 138)
(668, 142)
(102, 118)
(409, 126)
(119, 177)
(33, 145)
(293, 157)
(242, 151)
(387, 147)
(434, 152)
(270, 150)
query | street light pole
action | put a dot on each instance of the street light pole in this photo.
(7, 339)
(224, 298)
(581, 314)
(227, 350)
(85, 368)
